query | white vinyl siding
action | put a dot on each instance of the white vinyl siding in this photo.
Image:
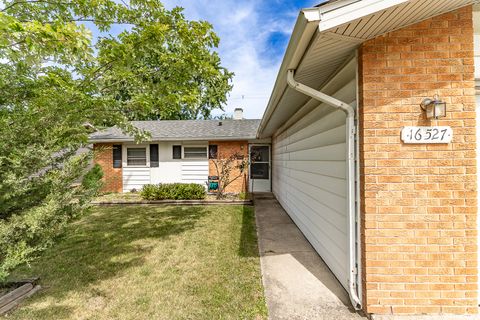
(309, 179)
(169, 170)
(135, 178)
(179, 170)
(195, 172)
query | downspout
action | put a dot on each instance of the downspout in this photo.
(352, 214)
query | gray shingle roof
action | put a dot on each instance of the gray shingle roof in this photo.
(186, 130)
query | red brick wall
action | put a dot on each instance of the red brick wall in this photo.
(112, 177)
(419, 202)
(225, 150)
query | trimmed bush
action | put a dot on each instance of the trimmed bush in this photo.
(173, 191)
(149, 191)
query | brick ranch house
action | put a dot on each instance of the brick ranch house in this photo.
(182, 151)
(383, 188)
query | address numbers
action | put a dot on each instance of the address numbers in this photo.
(436, 134)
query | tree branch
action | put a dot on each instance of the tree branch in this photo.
(32, 1)
(98, 20)
(232, 180)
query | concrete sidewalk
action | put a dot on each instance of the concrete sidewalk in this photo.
(298, 284)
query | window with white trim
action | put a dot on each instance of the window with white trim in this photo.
(195, 152)
(136, 156)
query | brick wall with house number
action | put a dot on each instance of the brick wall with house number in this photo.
(419, 199)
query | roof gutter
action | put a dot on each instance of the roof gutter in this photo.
(354, 235)
(155, 139)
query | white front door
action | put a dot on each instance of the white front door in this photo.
(260, 168)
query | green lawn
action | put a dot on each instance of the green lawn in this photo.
(151, 263)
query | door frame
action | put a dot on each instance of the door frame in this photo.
(251, 183)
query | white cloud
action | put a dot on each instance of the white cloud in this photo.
(244, 30)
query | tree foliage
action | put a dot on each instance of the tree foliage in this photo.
(57, 82)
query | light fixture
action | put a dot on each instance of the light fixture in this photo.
(434, 108)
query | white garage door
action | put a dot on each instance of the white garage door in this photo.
(309, 179)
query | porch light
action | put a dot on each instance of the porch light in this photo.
(434, 108)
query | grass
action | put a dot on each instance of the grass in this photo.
(151, 263)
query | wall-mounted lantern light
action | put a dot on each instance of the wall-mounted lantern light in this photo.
(434, 108)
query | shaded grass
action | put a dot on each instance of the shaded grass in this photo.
(151, 263)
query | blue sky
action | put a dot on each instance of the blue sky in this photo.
(254, 35)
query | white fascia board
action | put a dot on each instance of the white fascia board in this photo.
(328, 6)
(333, 18)
(311, 14)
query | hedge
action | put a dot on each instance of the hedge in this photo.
(173, 191)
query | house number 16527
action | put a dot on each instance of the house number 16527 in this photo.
(427, 134)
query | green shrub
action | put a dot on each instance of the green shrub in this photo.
(173, 191)
(148, 192)
(92, 179)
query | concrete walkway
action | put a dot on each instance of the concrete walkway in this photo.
(298, 284)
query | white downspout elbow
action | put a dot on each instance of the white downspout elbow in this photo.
(352, 213)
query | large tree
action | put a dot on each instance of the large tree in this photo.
(57, 82)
